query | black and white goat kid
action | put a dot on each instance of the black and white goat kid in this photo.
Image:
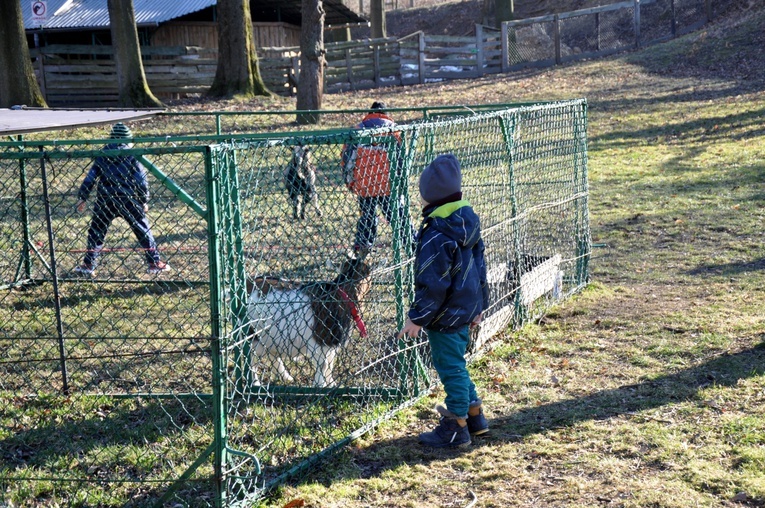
(312, 320)
(300, 180)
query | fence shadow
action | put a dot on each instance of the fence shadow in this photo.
(725, 370)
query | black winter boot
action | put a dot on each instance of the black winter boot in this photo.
(448, 434)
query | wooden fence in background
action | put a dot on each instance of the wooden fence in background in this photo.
(85, 75)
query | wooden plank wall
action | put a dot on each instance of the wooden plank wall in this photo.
(187, 33)
(205, 34)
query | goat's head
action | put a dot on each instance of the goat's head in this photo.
(301, 159)
(355, 277)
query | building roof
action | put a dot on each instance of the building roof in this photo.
(73, 14)
(28, 120)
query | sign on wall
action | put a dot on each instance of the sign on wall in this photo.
(39, 12)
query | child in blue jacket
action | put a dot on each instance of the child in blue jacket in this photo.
(450, 297)
(123, 191)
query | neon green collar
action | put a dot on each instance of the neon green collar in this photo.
(447, 209)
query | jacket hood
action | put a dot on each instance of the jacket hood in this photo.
(376, 119)
(458, 221)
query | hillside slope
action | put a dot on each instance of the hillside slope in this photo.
(460, 17)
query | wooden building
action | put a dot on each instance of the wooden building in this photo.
(173, 23)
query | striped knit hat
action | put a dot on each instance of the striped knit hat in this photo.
(120, 130)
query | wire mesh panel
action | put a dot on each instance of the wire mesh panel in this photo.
(617, 29)
(531, 43)
(309, 348)
(269, 340)
(105, 375)
(657, 21)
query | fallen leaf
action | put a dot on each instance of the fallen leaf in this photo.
(295, 503)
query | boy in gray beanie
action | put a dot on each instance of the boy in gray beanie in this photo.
(450, 297)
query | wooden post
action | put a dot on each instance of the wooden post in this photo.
(637, 23)
(421, 56)
(376, 63)
(556, 35)
(349, 67)
(505, 48)
(597, 31)
(479, 47)
(708, 10)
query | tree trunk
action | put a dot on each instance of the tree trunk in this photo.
(18, 84)
(237, 73)
(312, 60)
(377, 19)
(504, 10)
(131, 79)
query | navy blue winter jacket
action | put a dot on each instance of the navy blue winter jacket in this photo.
(116, 176)
(450, 280)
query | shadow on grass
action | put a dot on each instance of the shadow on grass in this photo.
(730, 268)
(725, 370)
(109, 445)
(709, 130)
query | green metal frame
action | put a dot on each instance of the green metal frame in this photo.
(226, 254)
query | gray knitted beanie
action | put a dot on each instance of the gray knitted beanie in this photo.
(441, 178)
(120, 130)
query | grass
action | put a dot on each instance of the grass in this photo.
(649, 388)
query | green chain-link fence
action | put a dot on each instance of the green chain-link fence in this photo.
(270, 342)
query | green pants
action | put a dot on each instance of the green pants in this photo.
(448, 350)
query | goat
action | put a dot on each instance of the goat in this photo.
(291, 320)
(300, 180)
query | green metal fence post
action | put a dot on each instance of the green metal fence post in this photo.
(403, 249)
(237, 276)
(507, 126)
(584, 242)
(212, 176)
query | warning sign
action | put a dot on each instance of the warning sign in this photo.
(39, 12)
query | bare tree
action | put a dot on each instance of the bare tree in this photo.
(377, 19)
(312, 60)
(237, 73)
(18, 85)
(131, 79)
